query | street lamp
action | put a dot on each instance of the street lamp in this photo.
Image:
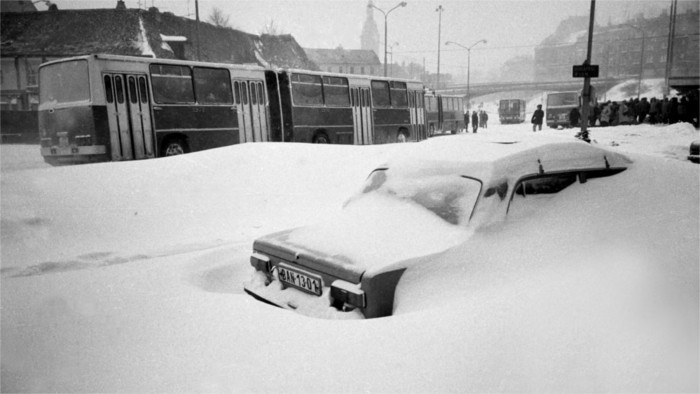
(641, 61)
(469, 53)
(439, 10)
(386, 14)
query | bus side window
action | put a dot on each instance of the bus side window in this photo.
(380, 94)
(144, 90)
(244, 92)
(120, 89)
(398, 94)
(307, 89)
(212, 85)
(261, 95)
(253, 93)
(336, 91)
(109, 94)
(237, 92)
(133, 94)
(172, 84)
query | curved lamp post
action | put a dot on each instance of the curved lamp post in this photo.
(469, 52)
(386, 14)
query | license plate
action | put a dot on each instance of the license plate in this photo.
(300, 279)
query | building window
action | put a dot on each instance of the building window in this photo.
(362, 70)
(340, 69)
(352, 70)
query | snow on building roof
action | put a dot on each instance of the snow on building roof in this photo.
(136, 32)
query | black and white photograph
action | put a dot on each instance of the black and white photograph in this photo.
(350, 196)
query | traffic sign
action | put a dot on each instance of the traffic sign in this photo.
(586, 71)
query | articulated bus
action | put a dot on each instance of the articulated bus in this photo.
(444, 113)
(110, 108)
(511, 111)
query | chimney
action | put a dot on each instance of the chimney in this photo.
(121, 5)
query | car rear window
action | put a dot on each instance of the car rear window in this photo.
(451, 197)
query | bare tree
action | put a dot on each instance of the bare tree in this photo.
(218, 18)
(271, 28)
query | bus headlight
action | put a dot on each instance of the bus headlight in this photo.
(343, 292)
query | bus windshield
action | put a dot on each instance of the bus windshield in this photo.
(560, 99)
(64, 82)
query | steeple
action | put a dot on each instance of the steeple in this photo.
(370, 34)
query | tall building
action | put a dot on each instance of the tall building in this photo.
(369, 40)
(623, 50)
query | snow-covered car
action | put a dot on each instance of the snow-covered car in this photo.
(426, 200)
(694, 151)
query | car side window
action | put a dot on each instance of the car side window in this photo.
(533, 193)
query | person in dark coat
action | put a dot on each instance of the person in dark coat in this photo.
(475, 121)
(466, 121)
(537, 118)
(574, 117)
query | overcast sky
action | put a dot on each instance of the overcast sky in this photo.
(511, 27)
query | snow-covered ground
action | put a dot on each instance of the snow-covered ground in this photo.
(127, 277)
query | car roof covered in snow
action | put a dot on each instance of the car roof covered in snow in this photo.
(489, 156)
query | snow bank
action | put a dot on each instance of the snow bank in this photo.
(127, 277)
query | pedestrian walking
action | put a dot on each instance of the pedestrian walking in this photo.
(486, 120)
(606, 114)
(475, 121)
(466, 121)
(537, 118)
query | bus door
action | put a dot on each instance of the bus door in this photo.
(361, 116)
(129, 116)
(252, 116)
(415, 101)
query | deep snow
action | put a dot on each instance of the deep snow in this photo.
(128, 277)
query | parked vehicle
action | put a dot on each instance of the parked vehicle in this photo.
(444, 113)
(422, 202)
(558, 107)
(511, 111)
(111, 108)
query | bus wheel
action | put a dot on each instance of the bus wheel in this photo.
(174, 147)
(402, 136)
(321, 138)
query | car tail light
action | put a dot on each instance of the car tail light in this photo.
(260, 262)
(343, 292)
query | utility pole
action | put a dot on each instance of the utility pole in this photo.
(587, 80)
(669, 49)
(196, 6)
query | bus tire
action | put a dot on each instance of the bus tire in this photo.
(321, 138)
(402, 135)
(173, 147)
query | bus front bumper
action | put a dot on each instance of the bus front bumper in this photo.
(57, 155)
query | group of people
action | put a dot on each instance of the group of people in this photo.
(635, 111)
(478, 119)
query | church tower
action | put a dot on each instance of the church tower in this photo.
(370, 34)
